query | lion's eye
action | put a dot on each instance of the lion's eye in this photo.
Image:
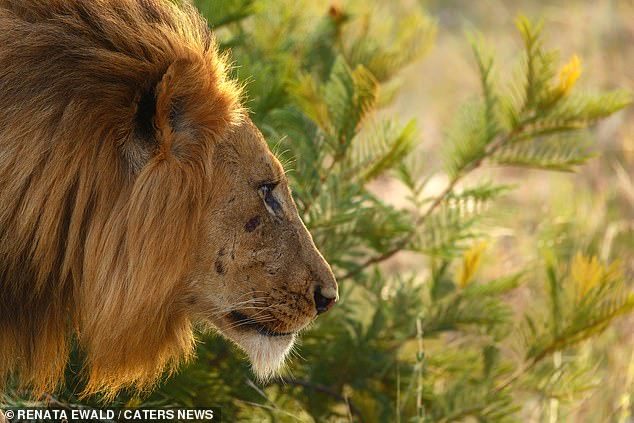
(272, 205)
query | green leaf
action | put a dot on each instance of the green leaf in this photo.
(560, 152)
(448, 229)
(309, 98)
(390, 45)
(581, 329)
(495, 287)
(466, 139)
(349, 96)
(485, 61)
(380, 148)
(221, 13)
(583, 109)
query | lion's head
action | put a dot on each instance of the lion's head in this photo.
(258, 276)
(137, 199)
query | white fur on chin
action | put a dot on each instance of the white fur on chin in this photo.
(267, 354)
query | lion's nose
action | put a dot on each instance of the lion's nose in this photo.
(323, 303)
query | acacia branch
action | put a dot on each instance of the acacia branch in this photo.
(402, 244)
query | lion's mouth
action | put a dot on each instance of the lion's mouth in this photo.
(245, 322)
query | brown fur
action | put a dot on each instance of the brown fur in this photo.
(129, 195)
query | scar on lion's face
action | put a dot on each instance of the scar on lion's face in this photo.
(137, 200)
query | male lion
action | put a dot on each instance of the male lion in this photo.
(137, 199)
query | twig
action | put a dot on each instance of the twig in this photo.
(420, 361)
(515, 376)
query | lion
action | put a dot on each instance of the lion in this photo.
(138, 201)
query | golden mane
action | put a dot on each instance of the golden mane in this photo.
(97, 220)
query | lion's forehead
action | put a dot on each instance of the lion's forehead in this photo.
(246, 147)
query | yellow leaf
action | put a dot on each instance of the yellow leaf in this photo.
(588, 272)
(568, 76)
(470, 263)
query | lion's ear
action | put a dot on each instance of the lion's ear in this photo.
(157, 113)
(188, 100)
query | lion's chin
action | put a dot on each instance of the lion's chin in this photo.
(266, 350)
(266, 354)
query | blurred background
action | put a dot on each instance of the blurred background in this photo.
(595, 205)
